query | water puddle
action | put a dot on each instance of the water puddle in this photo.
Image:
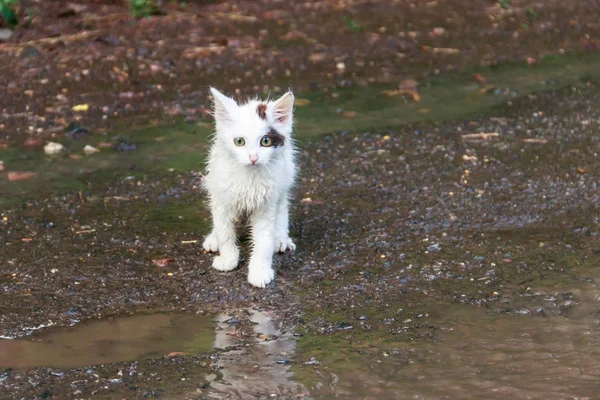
(251, 356)
(544, 345)
(262, 369)
(107, 341)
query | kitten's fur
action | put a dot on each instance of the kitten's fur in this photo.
(251, 179)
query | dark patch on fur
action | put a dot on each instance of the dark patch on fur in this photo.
(261, 110)
(276, 138)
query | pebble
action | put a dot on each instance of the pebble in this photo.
(89, 150)
(5, 34)
(53, 148)
(434, 247)
(313, 361)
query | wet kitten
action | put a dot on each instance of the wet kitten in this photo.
(251, 169)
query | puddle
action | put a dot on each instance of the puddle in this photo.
(107, 341)
(261, 368)
(251, 356)
(547, 347)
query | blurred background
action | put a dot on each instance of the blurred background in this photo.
(155, 59)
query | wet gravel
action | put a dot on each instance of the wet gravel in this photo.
(384, 221)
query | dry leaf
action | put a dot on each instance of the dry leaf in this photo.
(317, 57)
(536, 140)
(21, 176)
(81, 107)
(480, 136)
(301, 102)
(412, 93)
(479, 78)
(177, 354)
(162, 262)
(33, 142)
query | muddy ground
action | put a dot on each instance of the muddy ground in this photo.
(407, 234)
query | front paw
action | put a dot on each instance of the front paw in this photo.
(211, 244)
(226, 262)
(283, 243)
(260, 276)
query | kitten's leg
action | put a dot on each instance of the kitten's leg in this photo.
(282, 238)
(224, 231)
(211, 243)
(260, 271)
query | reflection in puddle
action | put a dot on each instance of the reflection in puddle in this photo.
(259, 368)
(101, 342)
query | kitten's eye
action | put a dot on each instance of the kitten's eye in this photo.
(266, 142)
(239, 141)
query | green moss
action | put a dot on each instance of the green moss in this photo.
(182, 146)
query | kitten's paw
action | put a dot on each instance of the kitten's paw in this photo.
(211, 244)
(260, 276)
(225, 263)
(284, 243)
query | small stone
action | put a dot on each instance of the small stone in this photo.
(439, 31)
(434, 247)
(5, 34)
(89, 150)
(53, 148)
(124, 147)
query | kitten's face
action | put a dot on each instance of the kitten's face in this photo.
(254, 133)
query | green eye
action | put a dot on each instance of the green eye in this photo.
(239, 141)
(266, 142)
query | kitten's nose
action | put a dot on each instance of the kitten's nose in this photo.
(253, 158)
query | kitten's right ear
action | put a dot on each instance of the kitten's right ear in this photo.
(224, 106)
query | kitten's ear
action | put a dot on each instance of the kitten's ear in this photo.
(224, 106)
(284, 107)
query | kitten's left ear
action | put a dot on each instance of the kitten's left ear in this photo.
(284, 107)
(223, 106)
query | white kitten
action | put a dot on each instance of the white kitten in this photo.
(251, 169)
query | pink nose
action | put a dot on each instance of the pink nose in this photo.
(253, 158)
